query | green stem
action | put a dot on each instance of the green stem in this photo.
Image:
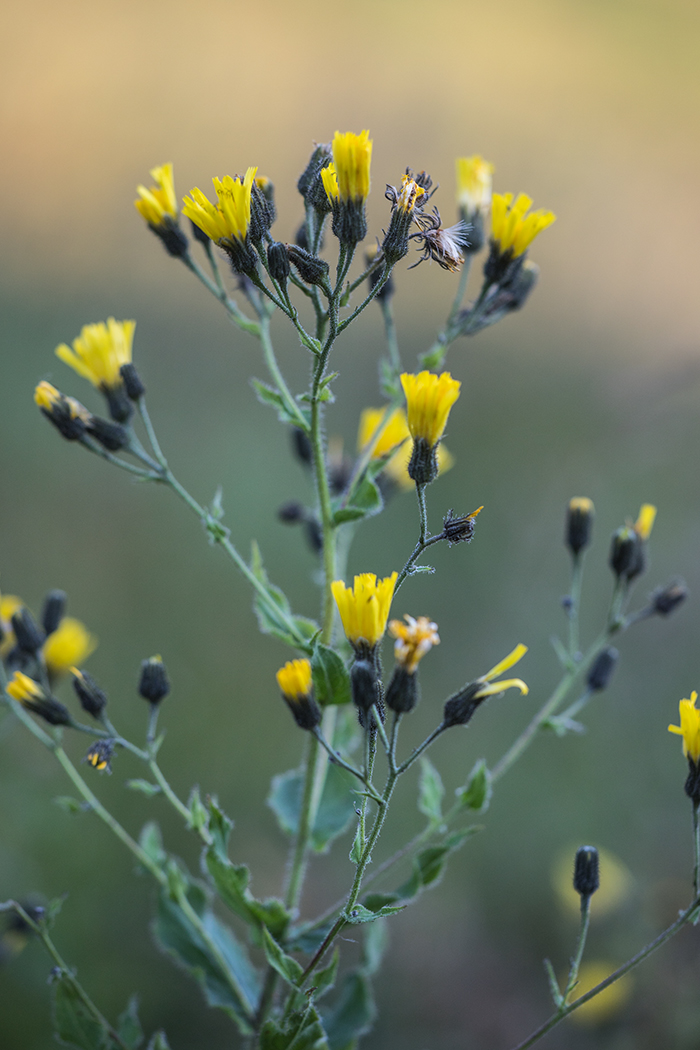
(338, 761)
(557, 1018)
(580, 946)
(365, 303)
(67, 973)
(461, 289)
(418, 751)
(423, 511)
(417, 551)
(392, 343)
(274, 370)
(301, 843)
(696, 843)
(575, 599)
(219, 292)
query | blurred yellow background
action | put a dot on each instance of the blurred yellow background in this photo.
(590, 106)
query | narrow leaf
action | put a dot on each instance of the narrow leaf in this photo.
(144, 786)
(430, 791)
(359, 914)
(476, 794)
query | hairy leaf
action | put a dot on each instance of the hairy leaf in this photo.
(286, 966)
(73, 1022)
(336, 808)
(430, 791)
(352, 1015)
(330, 676)
(476, 794)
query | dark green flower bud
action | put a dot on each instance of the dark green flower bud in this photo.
(132, 380)
(30, 637)
(601, 670)
(579, 523)
(402, 693)
(120, 408)
(278, 261)
(665, 599)
(172, 237)
(262, 210)
(199, 234)
(310, 184)
(311, 269)
(111, 436)
(54, 610)
(314, 535)
(154, 685)
(291, 513)
(423, 465)
(586, 871)
(365, 684)
(301, 445)
(461, 706)
(92, 698)
(626, 553)
(692, 784)
(100, 756)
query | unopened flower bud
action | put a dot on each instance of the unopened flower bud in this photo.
(311, 269)
(365, 684)
(154, 685)
(302, 447)
(586, 871)
(402, 693)
(278, 261)
(100, 756)
(54, 610)
(29, 636)
(92, 698)
(626, 553)
(199, 234)
(314, 535)
(31, 696)
(665, 599)
(132, 381)
(579, 523)
(262, 208)
(294, 680)
(111, 436)
(291, 513)
(601, 670)
(310, 184)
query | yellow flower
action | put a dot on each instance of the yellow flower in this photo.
(608, 1002)
(348, 176)
(70, 644)
(9, 605)
(689, 728)
(410, 195)
(490, 687)
(429, 399)
(364, 610)
(645, 522)
(511, 227)
(394, 430)
(414, 639)
(229, 219)
(23, 688)
(158, 205)
(294, 679)
(99, 352)
(474, 183)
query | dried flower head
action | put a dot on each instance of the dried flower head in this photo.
(445, 245)
(414, 639)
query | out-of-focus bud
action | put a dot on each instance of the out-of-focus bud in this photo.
(459, 528)
(314, 535)
(132, 381)
(579, 523)
(665, 599)
(31, 696)
(301, 446)
(92, 698)
(402, 693)
(67, 415)
(199, 234)
(294, 680)
(310, 268)
(100, 756)
(262, 208)
(111, 436)
(278, 261)
(154, 685)
(586, 872)
(291, 513)
(601, 670)
(28, 635)
(53, 611)
(158, 206)
(626, 557)
(474, 182)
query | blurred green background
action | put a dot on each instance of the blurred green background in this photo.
(588, 106)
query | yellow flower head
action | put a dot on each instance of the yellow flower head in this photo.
(158, 205)
(384, 430)
(410, 195)
(364, 610)
(689, 728)
(511, 227)
(23, 688)
(99, 352)
(474, 179)
(229, 218)
(414, 639)
(490, 687)
(348, 177)
(645, 522)
(70, 644)
(9, 605)
(294, 680)
(429, 399)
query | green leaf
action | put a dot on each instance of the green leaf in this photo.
(433, 360)
(376, 940)
(324, 980)
(429, 865)
(302, 1031)
(144, 786)
(177, 936)
(199, 815)
(430, 791)
(284, 964)
(231, 882)
(476, 794)
(330, 676)
(268, 396)
(335, 811)
(151, 842)
(129, 1027)
(353, 1013)
(71, 805)
(275, 615)
(554, 989)
(358, 846)
(365, 500)
(74, 1024)
(158, 1041)
(309, 939)
(219, 827)
(359, 914)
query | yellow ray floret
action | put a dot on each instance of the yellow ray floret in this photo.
(474, 179)
(382, 429)
(510, 683)
(229, 218)
(645, 522)
(410, 194)
(23, 688)
(689, 728)
(511, 227)
(352, 155)
(364, 610)
(330, 182)
(70, 644)
(158, 204)
(294, 679)
(429, 399)
(100, 351)
(414, 639)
